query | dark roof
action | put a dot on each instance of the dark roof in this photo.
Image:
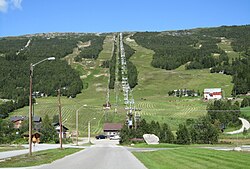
(112, 126)
(37, 119)
(18, 118)
(26, 134)
(57, 124)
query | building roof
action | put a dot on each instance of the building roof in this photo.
(18, 118)
(112, 126)
(212, 90)
(57, 126)
(37, 119)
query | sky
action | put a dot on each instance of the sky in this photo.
(19, 17)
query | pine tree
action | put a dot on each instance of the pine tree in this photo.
(166, 135)
(183, 135)
(48, 130)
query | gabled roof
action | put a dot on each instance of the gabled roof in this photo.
(112, 126)
(18, 118)
(212, 90)
(57, 126)
(37, 119)
(21, 118)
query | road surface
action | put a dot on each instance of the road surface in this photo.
(245, 124)
(104, 154)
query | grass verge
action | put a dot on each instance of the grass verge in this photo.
(38, 158)
(190, 157)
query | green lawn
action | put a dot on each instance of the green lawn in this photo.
(185, 158)
(246, 111)
(38, 158)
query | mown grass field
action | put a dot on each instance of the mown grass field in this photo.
(151, 93)
(189, 157)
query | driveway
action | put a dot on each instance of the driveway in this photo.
(245, 124)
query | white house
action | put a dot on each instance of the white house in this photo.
(212, 93)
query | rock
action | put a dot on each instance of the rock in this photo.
(237, 149)
(151, 138)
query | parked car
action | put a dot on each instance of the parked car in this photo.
(101, 136)
(115, 137)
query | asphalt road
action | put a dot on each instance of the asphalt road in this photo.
(104, 154)
(245, 124)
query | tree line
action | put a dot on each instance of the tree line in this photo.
(174, 51)
(132, 70)
(200, 131)
(240, 70)
(92, 51)
(132, 73)
(112, 67)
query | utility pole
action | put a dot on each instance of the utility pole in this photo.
(89, 129)
(30, 101)
(77, 115)
(30, 111)
(60, 116)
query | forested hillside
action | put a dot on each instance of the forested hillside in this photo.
(132, 70)
(16, 54)
(198, 49)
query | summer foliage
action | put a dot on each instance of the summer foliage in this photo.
(200, 131)
(17, 53)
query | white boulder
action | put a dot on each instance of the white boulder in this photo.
(151, 138)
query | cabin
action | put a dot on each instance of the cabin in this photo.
(37, 121)
(35, 136)
(212, 94)
(112, 129)
(17, 120)
(64, 130)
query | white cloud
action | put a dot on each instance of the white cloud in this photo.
(3, 5)
(14, 4)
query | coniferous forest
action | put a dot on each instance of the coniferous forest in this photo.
(16, 55)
